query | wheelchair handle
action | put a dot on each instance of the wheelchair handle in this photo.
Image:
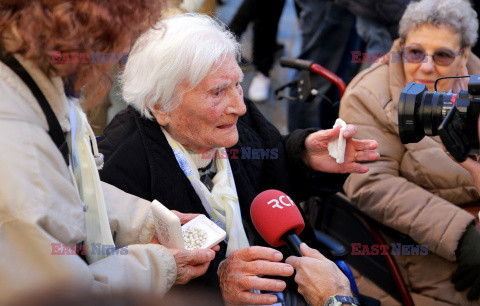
(315, 68)
(295, 63)
(330, 76)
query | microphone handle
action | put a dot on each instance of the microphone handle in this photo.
(293, 242)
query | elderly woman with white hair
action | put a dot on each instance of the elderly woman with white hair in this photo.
(416, 188)
(186, 105)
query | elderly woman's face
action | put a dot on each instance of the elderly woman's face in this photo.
(431, 38)
(207, 117)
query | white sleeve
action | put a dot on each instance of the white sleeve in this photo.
(130, 216)
(32, 259)
(40, 212)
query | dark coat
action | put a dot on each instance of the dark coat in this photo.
(387, 13)
(139, 161)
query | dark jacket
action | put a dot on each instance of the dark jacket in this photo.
(139, 161)
(386, 13)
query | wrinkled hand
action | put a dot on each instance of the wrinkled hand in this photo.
(241, 271)
(318, 159)
(468, 271)
(191, 264)
(317, 277)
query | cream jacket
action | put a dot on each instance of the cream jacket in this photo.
(415, 188)
(40, 207)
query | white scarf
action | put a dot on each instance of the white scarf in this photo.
(99, 237)
(222, 202)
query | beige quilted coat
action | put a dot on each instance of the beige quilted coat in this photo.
(415, 188)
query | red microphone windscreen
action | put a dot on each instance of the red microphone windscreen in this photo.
(273, 214)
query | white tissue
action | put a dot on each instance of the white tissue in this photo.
(336, 148)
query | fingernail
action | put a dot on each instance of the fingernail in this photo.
(346, 134)
(288, 269)
(273, 299)
(278, 256)
(305, 245)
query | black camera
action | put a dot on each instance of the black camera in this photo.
(452, 116)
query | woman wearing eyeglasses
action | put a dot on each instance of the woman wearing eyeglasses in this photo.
(416, 188)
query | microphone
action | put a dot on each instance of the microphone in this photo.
(277, 219)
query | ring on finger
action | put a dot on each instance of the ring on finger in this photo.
(355, 156)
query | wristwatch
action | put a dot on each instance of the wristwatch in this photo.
(339, 300)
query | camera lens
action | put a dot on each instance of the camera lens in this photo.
(420, 112)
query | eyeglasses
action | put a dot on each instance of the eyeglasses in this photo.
(441, 57)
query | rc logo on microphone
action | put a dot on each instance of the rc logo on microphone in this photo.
(281, 202)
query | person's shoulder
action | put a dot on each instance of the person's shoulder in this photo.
(371, 78)
(24, 135)
(123, 122)
(19, 105)
(126, 164)
(371, 84)
(368, 93)
(122, 132)
(32, 166)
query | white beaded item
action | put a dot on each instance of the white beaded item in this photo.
(194, 238)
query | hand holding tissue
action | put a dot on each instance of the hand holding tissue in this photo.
(336, 151)
(336, 148)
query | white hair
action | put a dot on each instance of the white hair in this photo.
(180, 50)
(458, 15)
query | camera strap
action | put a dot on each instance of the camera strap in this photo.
(54, 129)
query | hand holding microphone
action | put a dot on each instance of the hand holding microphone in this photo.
(317, 277)
(241, 273)
(278, 220)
